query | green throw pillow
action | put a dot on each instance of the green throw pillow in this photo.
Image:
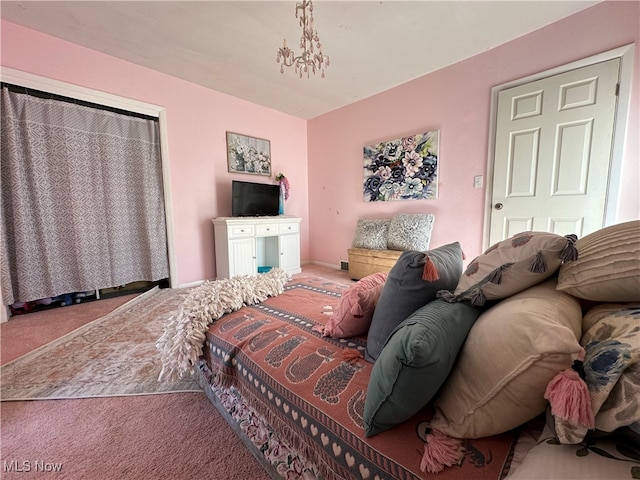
(415, 362)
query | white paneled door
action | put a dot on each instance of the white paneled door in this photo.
(553, 152)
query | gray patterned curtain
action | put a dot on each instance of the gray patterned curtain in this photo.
(82, 199)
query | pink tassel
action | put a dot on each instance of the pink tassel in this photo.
(568, 395)
(430, 271)
(440, 451)
(351, 354)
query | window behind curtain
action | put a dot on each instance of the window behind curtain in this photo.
(82, 204)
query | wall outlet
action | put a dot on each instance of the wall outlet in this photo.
(477, 181)
(344, 265)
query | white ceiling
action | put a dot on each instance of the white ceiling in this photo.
(230, 46)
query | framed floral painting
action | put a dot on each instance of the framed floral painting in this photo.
(248, 154)
(402, 169)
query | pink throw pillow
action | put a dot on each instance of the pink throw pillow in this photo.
(353, 314)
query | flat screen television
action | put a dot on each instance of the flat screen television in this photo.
(250, 199)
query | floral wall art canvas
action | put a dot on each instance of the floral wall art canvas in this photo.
(248, 154)
(402, 169)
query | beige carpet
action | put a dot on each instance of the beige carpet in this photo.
(112, 356)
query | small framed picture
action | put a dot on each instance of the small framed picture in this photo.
(247, 154)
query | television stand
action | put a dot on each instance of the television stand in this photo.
(243, 244)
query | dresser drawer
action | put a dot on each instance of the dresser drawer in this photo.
(266, 229)
(241, 231)
(290, 227)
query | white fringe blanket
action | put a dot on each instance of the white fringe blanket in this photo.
(183, 339)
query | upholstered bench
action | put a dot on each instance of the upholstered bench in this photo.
(378, 243)
(365, 261)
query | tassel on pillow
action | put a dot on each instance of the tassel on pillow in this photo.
(477, 298)
(495, 277)
(569, 253)
(440, 451)
(568, 395)
(430, 271)
(446, 295)
(538, 265)
(351, 355)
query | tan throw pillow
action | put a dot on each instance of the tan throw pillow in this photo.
(511, 353)
(512, 265)
(608, 265)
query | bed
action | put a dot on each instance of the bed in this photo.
(271, 372)
(300, 398)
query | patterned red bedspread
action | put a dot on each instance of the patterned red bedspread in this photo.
(299, 381)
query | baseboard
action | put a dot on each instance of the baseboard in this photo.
(191, 284)
(323, 264)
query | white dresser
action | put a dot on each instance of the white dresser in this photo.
(245, 243)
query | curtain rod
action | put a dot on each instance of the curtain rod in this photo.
(62, 98)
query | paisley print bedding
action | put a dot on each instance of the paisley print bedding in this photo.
(312, 394)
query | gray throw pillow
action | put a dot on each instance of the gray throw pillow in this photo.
(415, 362)
(371, 234)
(405, 291)
(410, 231)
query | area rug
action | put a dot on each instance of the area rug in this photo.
(112, 356)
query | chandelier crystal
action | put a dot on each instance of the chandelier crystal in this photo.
(312, 58)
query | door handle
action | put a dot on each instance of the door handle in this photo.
(498, 206)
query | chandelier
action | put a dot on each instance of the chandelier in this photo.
(311, 59)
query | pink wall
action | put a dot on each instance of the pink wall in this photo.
(197, 121)
(456, 101)
(323, 157)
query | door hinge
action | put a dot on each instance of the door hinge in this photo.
(617, 89)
